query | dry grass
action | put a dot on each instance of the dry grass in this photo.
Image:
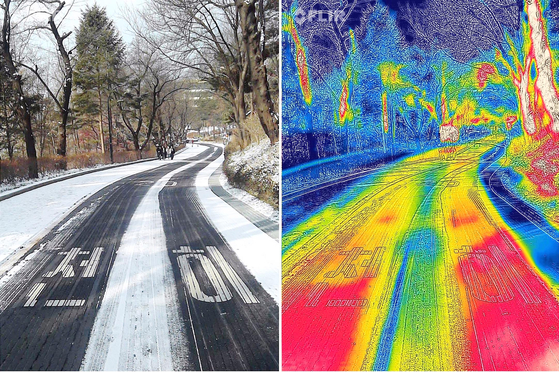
(12, 171)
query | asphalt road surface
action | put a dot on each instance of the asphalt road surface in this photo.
(48, 308)
(232, 325)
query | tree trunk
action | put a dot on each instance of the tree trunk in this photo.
(61, 150)
(9, 144)
(259, 79)
(110, 122)
(33, 168)
(22, 109)
(526, 105)
(101, 132)
(136, 141)
(77, 135)
(42, 135)
(67, 89)
(240, 104)
(545, 82)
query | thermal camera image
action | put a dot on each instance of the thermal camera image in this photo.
(420, 185)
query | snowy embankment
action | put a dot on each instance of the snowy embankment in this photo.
(257, 251)
(256, 170)
(27, 217)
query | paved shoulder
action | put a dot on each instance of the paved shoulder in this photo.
(258, 219)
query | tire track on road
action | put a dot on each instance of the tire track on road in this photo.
(55, 337)
(231, 331)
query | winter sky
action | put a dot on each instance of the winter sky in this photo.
(115, 11)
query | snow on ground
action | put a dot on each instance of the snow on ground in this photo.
(18, 267)
(138, 325)
(257, 204)
(256, 250)
(5, 187)
(260, 157)
(140, 309)
(25, 218)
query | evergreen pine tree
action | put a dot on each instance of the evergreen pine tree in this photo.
(100, 52)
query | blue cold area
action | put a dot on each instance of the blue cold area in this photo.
(524, 219)
(309, 187)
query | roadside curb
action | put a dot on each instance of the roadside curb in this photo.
(67, 177)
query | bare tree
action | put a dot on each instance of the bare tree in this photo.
(22, 109)
(63, 103)
(149, 85)
(202, 36)
(206, 36)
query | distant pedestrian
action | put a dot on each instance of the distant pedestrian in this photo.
(159, 151)
(172, 152)
(164, 153)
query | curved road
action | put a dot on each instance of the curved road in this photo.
(413, 268)
(48, 308)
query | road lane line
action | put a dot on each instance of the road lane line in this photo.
(232, 276)
(34, 294)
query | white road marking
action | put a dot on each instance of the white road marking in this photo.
(67, 271)
(232, 276)
(92, 263)
(222, 292)
(186, 249)
(64, 267)
(64, 303)
(34, 294)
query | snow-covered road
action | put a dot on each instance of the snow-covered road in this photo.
(132, 329)
(141, 284)
(25, 218)
(256, 250)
